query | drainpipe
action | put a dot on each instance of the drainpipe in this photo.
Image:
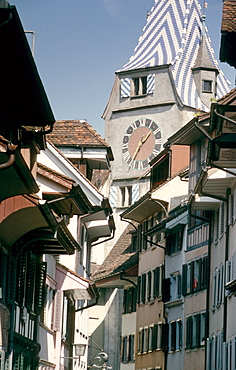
(12, 149)
(228, 192)
(207, 323)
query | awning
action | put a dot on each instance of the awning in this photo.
(178, 221)
(202, 203)
(99, 228)
(215, 183)
(74, 286)
(144, 208)
(23, 99)
(16, 179)
(73, 203)
(36, 225)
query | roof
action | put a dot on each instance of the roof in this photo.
(23, 99)
(75, 132)
(119, 259)
(54, 176)
(172, 36)
(229, 16)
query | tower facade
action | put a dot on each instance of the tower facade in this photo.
(171, 76)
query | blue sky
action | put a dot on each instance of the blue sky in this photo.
(80, 44)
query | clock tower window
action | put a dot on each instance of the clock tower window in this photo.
(125, 196)
(139, 86)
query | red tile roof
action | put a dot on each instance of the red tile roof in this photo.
(229, 16)
(75, 132)
(120, 257)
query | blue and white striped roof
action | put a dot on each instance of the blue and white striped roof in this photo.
(172, 35)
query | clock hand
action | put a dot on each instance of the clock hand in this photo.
(140, 143)
(145, 137)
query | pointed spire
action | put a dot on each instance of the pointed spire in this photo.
(203, 59)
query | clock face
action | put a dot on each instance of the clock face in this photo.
(141, 143)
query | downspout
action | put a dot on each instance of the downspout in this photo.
(207, 322)
(12, 157)
(228, 192)
(89, 305)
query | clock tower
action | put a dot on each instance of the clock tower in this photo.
(157, 92)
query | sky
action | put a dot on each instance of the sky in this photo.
(79, 44)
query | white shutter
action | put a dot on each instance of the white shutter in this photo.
(135, 193)
(113, 196)
(150, 84)
(125, 87)
(57, 311)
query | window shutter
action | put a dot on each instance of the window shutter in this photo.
(165, 332)
(214, 290)
(129, 297)
(168, 243)
(222, 218)
(124, 301)
(204, 273)
(135, 193)
(150, 84)
(155, 283)
(125, 87)
(134, 299)
(166, 290)
(189, 332)
(154, 337)
(139, 290)
(184, 279)
(57, 311)
(149, 285)
(198, 329)
(30, 284)
(143, 288)
(173, 335)
(191, 266)
(180, 239)
(113, 196)
(20, 290)
(178, 285)
(41, 294)
(11, 280)
(197, 275)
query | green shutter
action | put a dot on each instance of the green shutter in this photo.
(41, 296)
(184, 279)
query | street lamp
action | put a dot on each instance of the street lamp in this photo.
(79, 349)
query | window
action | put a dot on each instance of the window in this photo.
(129, 300)
(124, 349)
(195, 330)
(125, 196)
(175, 286)
(175, 335)
(139, 86)
(222, 219)
(174, 241)
(150, 285)
(47, 317)
(31, 276)
(195, 276)
(131, 348)
(160, 172)
(218, 287)
(207, 86)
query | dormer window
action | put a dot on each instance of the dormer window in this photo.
(139, 86)
(207, 86)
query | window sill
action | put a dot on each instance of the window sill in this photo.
(175, 302)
